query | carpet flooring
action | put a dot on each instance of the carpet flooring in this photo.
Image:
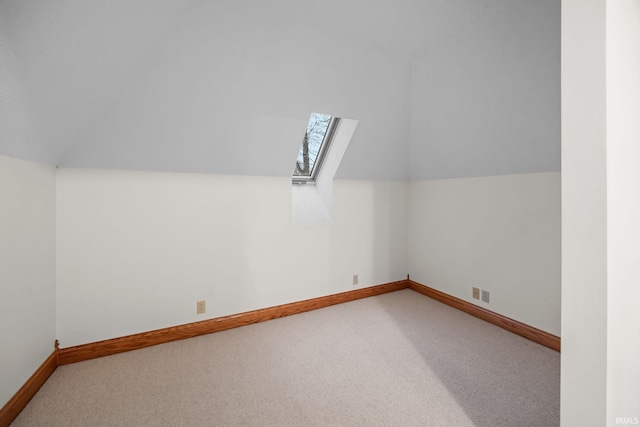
(398, 359)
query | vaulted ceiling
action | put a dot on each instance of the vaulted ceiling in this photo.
(227, 86)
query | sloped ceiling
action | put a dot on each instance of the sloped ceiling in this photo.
(490, 104)
(71, 59)
(220, 86)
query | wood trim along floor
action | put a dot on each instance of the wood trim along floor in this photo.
(189, 330)
(12, 408)
(536, 335)
(132, 342)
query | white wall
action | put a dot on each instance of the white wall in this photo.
(623, 210)
(484, 160)
(600, 211)
(584, 214)
(136, 250)
(500, 234)
(27, 270)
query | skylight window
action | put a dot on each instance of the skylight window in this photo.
(315, 145)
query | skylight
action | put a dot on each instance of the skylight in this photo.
(315, 144)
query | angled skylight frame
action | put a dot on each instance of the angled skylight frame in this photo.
(315, 157)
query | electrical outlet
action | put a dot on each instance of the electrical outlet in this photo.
(355, 279)
(485, 296)
(476, 293)
(201, 307)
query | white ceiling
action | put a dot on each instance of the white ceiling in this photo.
(81, 80)
(74, 57)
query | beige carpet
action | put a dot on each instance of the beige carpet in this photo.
(398, 359)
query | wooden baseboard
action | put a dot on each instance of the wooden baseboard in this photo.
(16, 404)
(536, 335)
(132, 342)
(190, 330)
(147, 339)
